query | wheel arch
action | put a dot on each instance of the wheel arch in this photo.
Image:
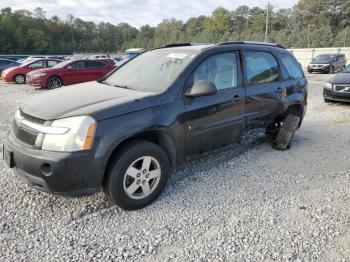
(18, 74)
(160, 137)
(54, 76)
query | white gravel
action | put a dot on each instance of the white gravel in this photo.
(235, 205)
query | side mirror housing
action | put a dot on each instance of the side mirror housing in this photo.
(69, 67)
(202, 88)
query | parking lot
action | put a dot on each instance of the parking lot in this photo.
(238, 204)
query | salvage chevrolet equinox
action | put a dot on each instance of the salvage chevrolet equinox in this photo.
(124, 133)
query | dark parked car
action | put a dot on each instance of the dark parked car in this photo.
(69, 73)
(5, 63)
(338, 87)
(327, 63)
(124, 133)
(18, 74)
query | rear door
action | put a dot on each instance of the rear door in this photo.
(96, 69)
(265, 89)
(218, 120)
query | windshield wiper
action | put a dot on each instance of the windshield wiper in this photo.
(111, 84)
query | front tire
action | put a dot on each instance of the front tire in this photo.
(20, 79)
(137, 175)
(54, 82)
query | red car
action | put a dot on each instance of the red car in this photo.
(69, 73)
(18, 74)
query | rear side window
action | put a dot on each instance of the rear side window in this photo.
(291, 67)
(219, 69)
(261, 67)
(94, 64)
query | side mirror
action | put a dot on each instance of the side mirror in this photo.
(202, 88)
(69, 67)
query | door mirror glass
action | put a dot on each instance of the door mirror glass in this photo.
(202, 88)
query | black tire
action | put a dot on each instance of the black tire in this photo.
(19, 79)
(331, 70)
(54, 82)
(114, 184)
(327, 100)
(286, 133)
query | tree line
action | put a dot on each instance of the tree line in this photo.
(314, 23)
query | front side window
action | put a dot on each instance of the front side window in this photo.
(220, 69)
(152, 71)
(261, 67)
(292, 68)
(38, 64)
(78, 65)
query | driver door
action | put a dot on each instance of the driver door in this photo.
(217, 120)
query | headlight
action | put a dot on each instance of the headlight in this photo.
(79, 137)
(328, 86)
(38, 75)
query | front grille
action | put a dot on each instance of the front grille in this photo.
(342, 88)
(27, 137)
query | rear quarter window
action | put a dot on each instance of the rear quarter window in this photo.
(291, 67)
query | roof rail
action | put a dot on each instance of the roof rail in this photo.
(177, 45)
(252, 43)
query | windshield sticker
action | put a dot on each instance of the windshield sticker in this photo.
(177, 55)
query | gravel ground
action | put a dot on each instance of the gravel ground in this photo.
(234, 205)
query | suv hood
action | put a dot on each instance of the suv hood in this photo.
(340, 78)
(95, 99)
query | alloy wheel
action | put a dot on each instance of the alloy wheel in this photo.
(142, 177)
(19, 79)
(54, 82)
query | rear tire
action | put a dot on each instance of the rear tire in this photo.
(137, 175)
(327, 100)
(20, 79)
(284, 138)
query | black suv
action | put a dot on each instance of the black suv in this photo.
(125, 132)
(327, 63)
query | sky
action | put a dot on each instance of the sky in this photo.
(135, 12)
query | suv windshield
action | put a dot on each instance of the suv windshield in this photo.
(152, 71)
(346, 69)
(322, 58)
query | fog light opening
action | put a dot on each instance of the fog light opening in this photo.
(46, 169)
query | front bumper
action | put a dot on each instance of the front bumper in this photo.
(35, 81)
(336, 96)
(7, 78)
(67, 174)
(324, 69)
